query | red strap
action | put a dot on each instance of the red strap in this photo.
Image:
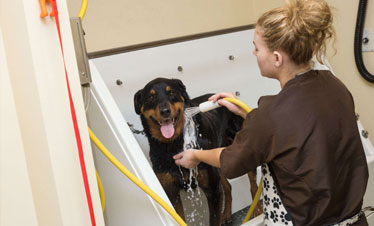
(75, 123)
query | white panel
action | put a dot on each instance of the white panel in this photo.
(368, 146)
(15, 189)
(369, 195)
(125, 202)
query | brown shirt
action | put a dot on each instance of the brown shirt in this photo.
(308, 135)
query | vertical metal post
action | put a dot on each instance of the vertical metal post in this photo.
(80, 50)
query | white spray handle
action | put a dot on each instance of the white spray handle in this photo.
(208, 105)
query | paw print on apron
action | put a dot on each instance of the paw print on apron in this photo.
(274, 211)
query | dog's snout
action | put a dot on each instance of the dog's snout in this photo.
(165, 112)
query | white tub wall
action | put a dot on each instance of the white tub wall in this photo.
(125, 202)
(369, 151)
(48, 148)
(368, 146)
(369, 195)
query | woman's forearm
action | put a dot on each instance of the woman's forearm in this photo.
(211, 157)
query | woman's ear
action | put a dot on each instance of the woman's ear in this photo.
(278, 59)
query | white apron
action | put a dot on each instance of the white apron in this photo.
(274, 211)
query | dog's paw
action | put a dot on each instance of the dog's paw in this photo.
(227, 222)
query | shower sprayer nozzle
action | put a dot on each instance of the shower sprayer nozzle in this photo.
(208, 105)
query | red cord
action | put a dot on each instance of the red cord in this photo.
(75, 123)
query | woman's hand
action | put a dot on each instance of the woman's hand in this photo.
(187, 159)
(230, 106)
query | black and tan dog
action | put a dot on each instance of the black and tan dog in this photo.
(161, 104)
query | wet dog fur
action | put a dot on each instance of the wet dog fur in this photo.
(161, 104)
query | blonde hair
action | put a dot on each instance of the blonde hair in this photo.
(301, 29)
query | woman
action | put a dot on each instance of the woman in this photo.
(306, 137)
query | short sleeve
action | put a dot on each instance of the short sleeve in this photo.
(251, 144)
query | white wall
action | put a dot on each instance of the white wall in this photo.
(15, 189)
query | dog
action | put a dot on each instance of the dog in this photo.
(161, 105)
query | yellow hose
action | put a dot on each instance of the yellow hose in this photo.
(254, 203)
(83, 9)
(101, 191)
(259, 190)
(239, 103)
(134, 179)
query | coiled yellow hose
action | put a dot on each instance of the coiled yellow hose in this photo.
(134, 179)
(259, 190)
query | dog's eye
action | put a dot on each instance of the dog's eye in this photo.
(171, 92)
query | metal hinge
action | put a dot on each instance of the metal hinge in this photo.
(80, 50)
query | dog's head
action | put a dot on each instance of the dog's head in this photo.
(161, 104)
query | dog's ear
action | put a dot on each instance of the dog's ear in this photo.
(138, 100)
(182, 88)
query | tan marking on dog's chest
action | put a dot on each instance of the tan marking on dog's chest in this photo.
(165, 178)
(203, 178)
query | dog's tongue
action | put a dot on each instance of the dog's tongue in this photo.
(167, 130)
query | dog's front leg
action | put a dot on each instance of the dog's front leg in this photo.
(209, 182)
(172, 188)
(227, 212)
